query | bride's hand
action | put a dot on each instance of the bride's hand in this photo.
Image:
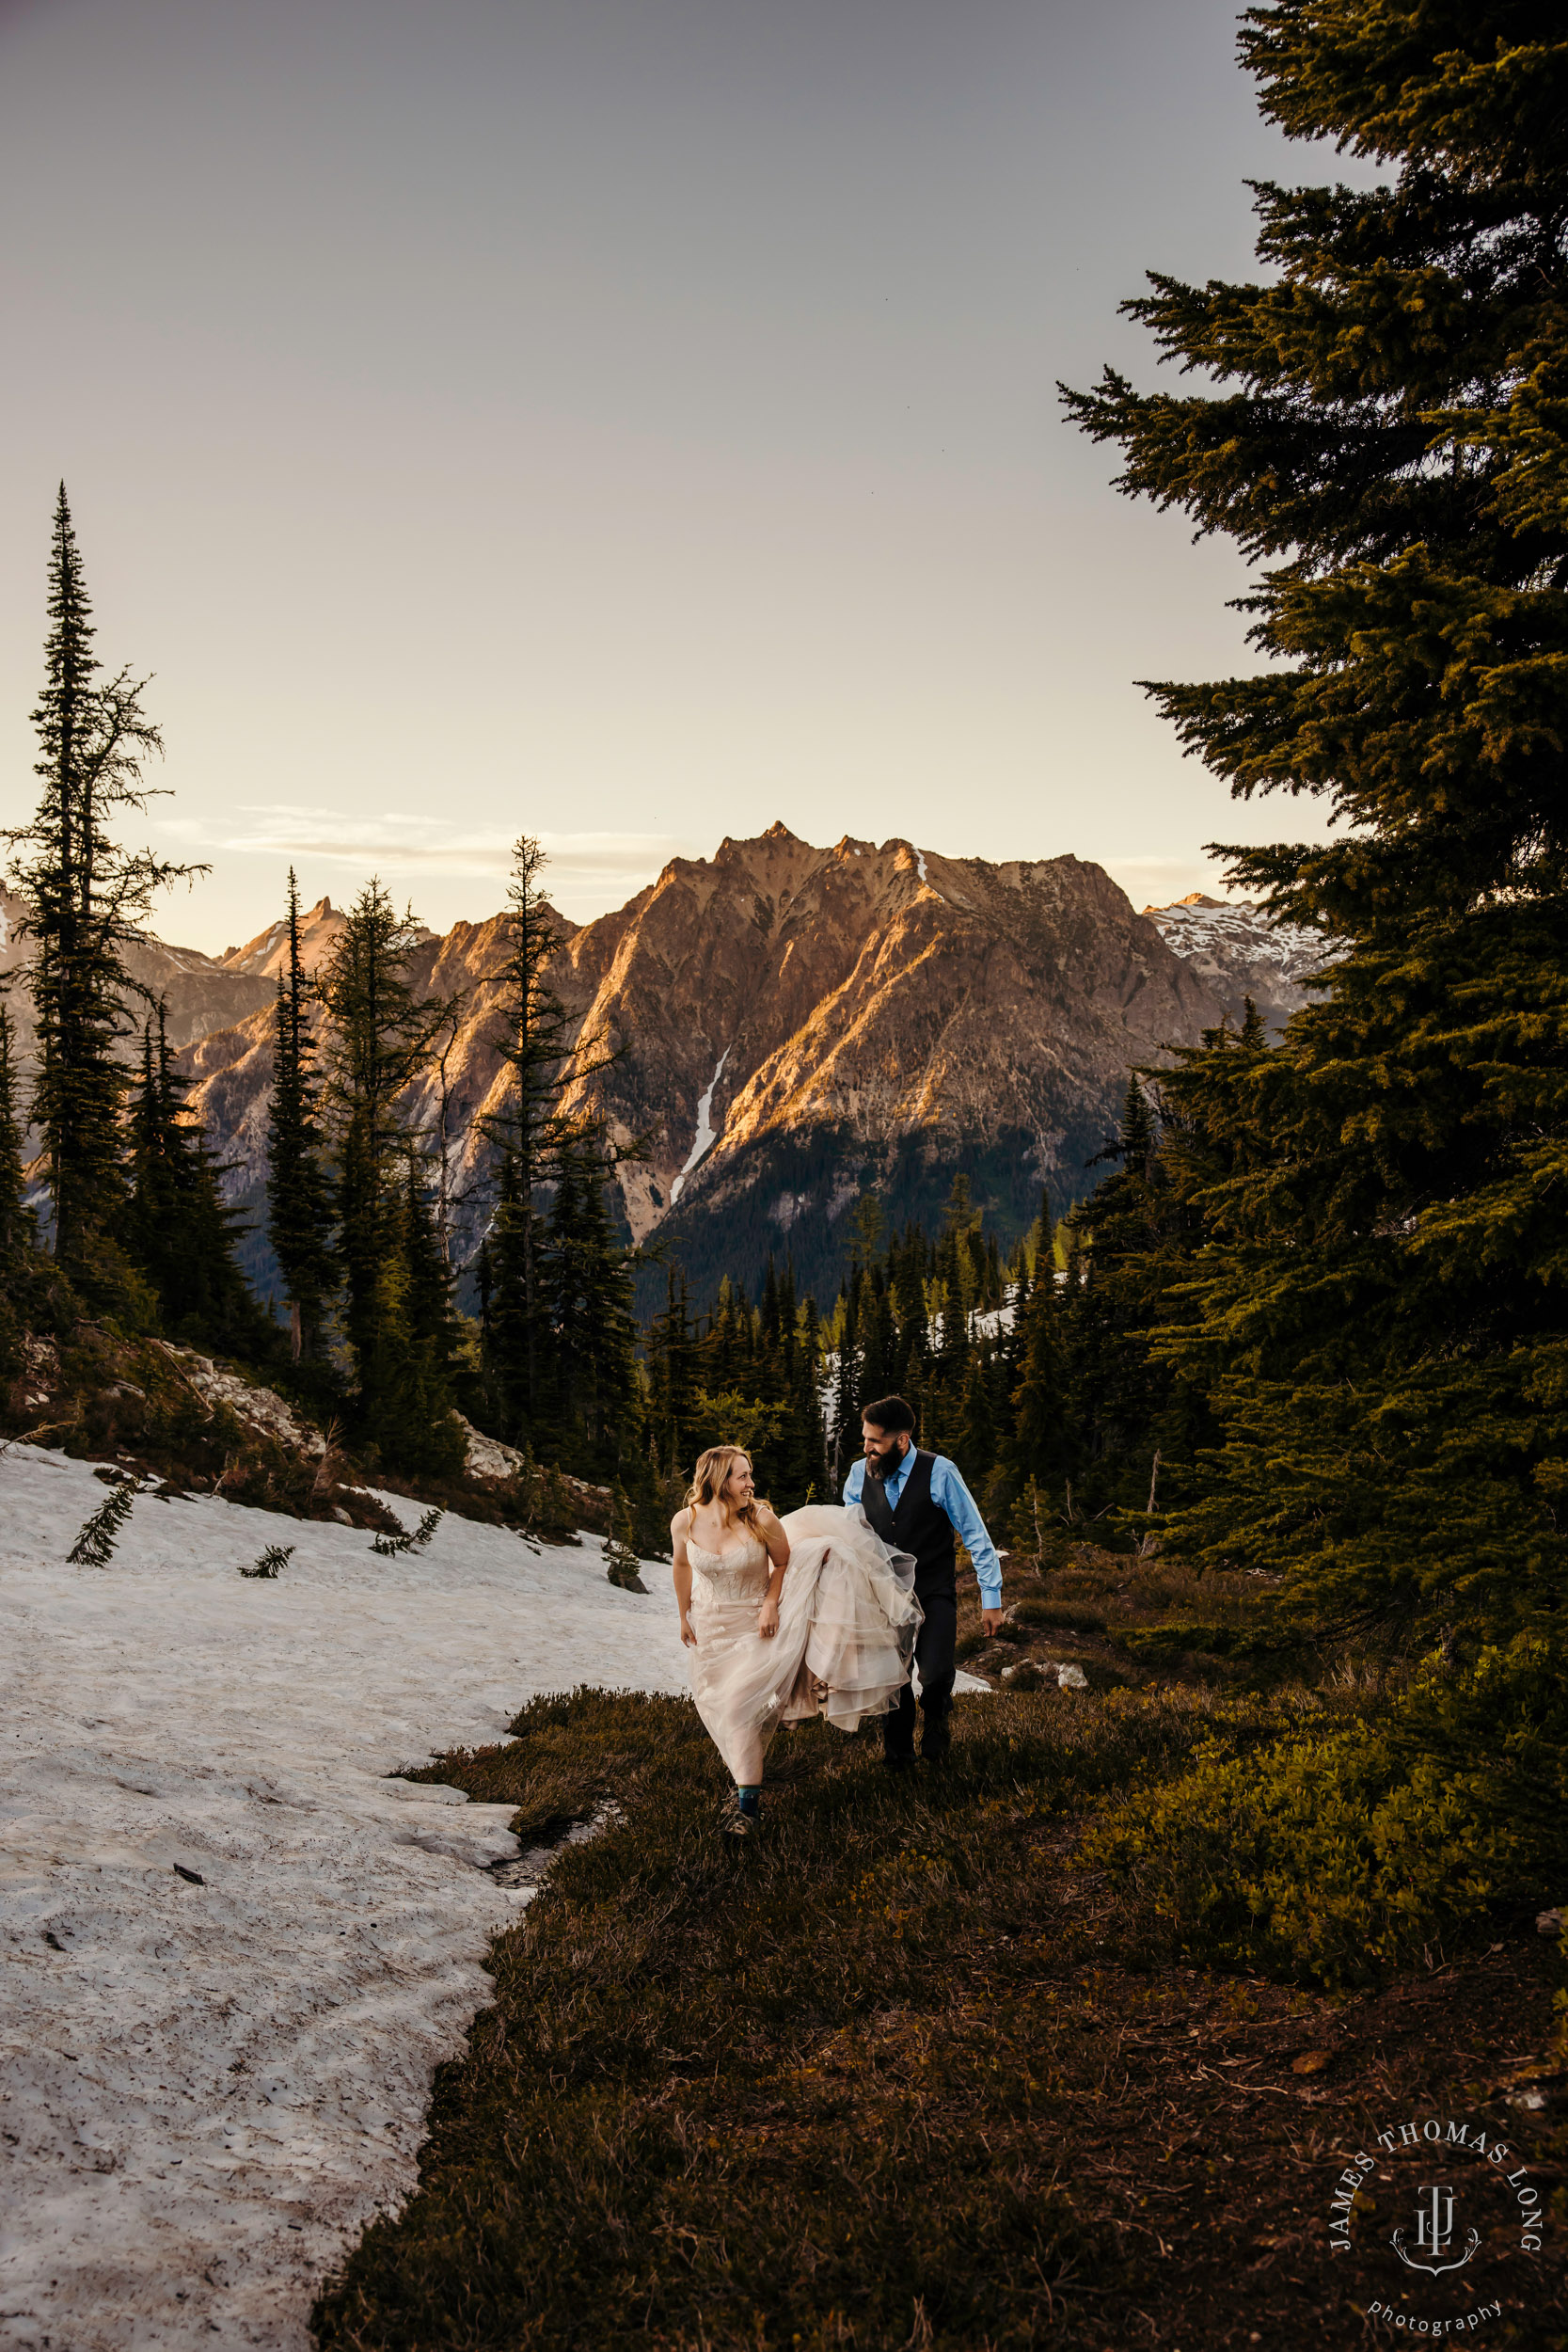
(687, 1634)
(768, 1617)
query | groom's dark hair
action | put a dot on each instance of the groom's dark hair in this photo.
(890, 1413)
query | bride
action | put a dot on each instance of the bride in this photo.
(809, 1614)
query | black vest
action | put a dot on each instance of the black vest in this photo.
(918, 1525)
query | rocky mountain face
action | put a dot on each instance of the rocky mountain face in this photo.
(200, 994)
(799, 1026)
(1233, 945)
(810, 1023)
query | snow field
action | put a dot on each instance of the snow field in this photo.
(206, 2090)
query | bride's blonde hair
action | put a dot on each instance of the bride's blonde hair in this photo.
(711, 1476)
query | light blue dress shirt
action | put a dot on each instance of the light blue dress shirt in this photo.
(950, 1495)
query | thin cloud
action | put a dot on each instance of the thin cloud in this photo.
(587, 869)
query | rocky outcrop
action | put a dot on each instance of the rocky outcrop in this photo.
(1238, 952)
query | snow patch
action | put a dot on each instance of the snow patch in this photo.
(1211, 928)
(708, 1134)
(920, 862)
(206, 2090)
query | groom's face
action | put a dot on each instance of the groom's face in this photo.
(884, 1447)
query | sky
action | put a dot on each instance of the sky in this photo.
(629, 421)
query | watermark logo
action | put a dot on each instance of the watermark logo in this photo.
(1434, 2232)
(1438, 2205)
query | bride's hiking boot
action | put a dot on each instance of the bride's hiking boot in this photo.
(744, 1817)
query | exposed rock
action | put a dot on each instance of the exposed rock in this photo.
(487, 1457)
(261, 1410)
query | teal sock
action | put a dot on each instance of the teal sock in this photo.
(749, 1799)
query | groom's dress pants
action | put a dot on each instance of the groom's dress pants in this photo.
(934, 1648)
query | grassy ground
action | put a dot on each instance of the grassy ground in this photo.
(904, 2073)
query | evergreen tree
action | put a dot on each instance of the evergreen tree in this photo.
(880, 1354)
(727, 1351)
(845, 1431)
(1130, 1251)
(1043, 1447)
(906, 1268)
(84, 895)
(1379, 1297)
(974, 1440)
(674, 1367)
(379, 1039)
(16, 1221)
(769, 1317)
(174, 1224)
(414, 1419)
(588, 1288)
(531, 1139)
(299, 1190)
(803, 1468)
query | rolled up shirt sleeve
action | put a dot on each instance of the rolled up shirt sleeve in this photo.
(950, 1494)
(854, 1483)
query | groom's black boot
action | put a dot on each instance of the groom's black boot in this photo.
(936, 1738)
(899, 1733)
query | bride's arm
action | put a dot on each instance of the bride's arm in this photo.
(680, 1527)
(777, 1543)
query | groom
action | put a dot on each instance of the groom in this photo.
(916, 1500)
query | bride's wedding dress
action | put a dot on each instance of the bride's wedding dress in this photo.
(847, 1618)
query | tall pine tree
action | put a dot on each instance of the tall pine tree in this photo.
(85, 897)
(299, 1187)
(1380, 1321)
(16, 1223)
(175, 1224)
(531, 1140)
(379, 1039)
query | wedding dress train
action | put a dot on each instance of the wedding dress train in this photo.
(847, 1618)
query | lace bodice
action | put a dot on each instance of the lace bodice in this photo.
(739, 1573)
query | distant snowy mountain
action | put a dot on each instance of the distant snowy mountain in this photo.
(1241, 952)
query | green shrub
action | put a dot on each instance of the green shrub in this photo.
(1181, 1640)
(1343, 1852)
(1084, 1616)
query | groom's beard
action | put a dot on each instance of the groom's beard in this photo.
(879, 1464)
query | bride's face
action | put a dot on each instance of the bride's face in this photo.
(740, 1486)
